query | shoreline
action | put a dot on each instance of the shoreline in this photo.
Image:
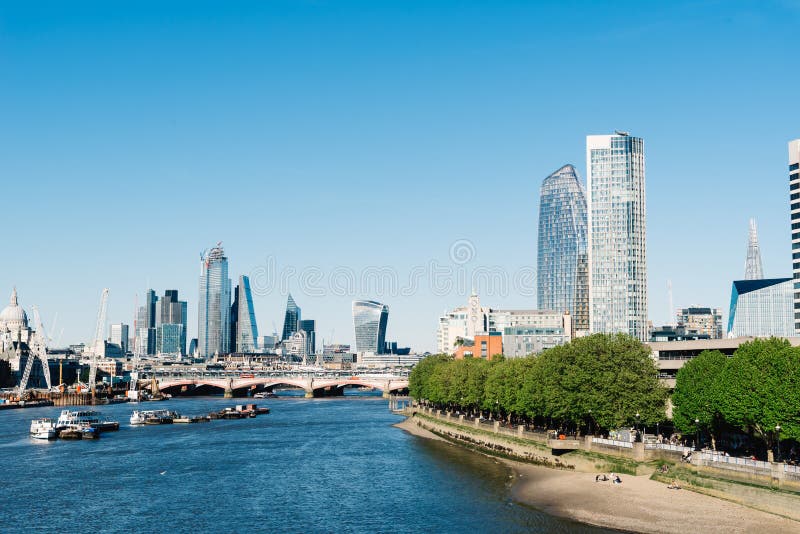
(637, 505)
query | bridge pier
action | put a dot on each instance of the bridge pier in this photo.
(229, 389)
(309, 394)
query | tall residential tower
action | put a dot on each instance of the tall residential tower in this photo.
(794, 205)
(617, 234)
(563, 283)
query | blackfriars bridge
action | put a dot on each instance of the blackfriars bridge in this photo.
(238, 383)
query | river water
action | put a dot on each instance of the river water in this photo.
(312, 465)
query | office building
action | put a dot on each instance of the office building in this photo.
(291, 320)
(170, 339)
(761, 308)
(369, 322)
(464, 322)
(309, 326)
(485, 346)
(617, 233)
(794, 208)
(145, 326)
(267, 343)
(170, 310)
(244, 331)
(563, 283)
(700, 321)
(214, 305)
(119, 336)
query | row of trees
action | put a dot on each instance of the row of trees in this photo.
(756, 391)
(601, 381)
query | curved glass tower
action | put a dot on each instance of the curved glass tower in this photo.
(563, 283)
(369, 321)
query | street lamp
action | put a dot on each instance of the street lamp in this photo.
(637, 427)
(697, 434)
(778, 437)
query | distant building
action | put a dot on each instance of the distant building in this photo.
(562, 272)
(309, 326)
(267, 343)
(119, 336)
(617, 218)
(214, 305)
(675, 333)
(171, 312)
(192, 347)
(297, 346)
(145, 326)
(761, 308)
(370, 319)
(244, 331)
(524, 331)
(291, 320)
(700, 320)
(485, 346)
(170, 339)
(794, 208)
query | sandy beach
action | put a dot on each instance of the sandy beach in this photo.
(638, 504)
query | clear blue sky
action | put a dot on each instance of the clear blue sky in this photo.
(343, 135)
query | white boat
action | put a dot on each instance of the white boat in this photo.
(43, 428)
(144, 417)
(91, 418)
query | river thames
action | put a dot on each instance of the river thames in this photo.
(312, 465)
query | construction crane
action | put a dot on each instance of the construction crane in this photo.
(132, 393)
(37, 348)
(98, 344)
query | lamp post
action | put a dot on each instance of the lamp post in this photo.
(697, 434)
(778, 438)
(637, 427)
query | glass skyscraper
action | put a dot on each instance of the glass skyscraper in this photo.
(369, 321)
(214, 306)
(171, 311)
(761, 308)
(617, 232)
(246, 331)
(291, 321)
(563, 283)
(309, 326)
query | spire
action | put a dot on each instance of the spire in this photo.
(752, 268)
(14, 297)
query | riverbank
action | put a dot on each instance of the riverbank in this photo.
(639, 504)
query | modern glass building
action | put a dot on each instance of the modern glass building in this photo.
(119, 336)
(369, 321)
(170, 310)
(170, 338)
(214, 306)
(245, 332)
(563, 283)
(291, 321)
(762, 308)
(794, 206)
(617, 234)
(309, 326)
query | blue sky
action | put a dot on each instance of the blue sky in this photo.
(333, 137)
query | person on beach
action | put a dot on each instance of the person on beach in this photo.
(616, 480)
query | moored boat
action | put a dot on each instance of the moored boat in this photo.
(85, 417)
(78, 431)
(44, 428)
(152, 417)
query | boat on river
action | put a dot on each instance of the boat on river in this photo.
(78, 431)
(44, 428)
(85, 417)
(153, 417)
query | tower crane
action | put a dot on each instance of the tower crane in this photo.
(98, 342)
(37, 349)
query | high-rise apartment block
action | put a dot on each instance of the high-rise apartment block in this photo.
(562, 261)
(617, 234)
(794, 206)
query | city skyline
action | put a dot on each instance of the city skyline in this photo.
(113, 113)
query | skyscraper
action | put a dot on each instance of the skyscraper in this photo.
(119, 336)
(309, 326)
(562, 249)
(214, 306)
(291, 321)
(145, 328)
(245, 332)
(753, 269)
(794, 208)
(369, 322)
(617, 233)
(171, 311)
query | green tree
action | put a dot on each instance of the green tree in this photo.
(759, 389)
(418, 380)
(695, 396)
(608, 378)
